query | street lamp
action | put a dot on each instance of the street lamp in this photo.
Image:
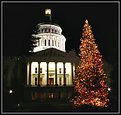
(10, 91)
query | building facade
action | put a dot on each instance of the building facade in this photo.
(51, 67)
(48, 71)
(50, 64)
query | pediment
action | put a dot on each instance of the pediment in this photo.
(52, 54)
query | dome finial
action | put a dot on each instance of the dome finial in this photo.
(48, 14)
(47, 11)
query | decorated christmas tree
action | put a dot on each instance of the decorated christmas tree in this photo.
(90, 79)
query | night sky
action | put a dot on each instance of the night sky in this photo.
(20, 19)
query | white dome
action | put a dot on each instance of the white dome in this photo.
(49, 36)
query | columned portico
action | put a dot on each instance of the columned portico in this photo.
(50, 64)
(50, 73)
(50, 69)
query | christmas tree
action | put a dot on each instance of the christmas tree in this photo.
(90, 79)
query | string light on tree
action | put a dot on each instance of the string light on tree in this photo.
(90, 79)
(86, 21)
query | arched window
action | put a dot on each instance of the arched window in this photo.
(36, 70)
(55, 31)
(45, 30)
(41, 30)
(48, 42)
(45, 42)
(50, 30)
(60, 70)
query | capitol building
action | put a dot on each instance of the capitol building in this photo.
(50, 64)
(48, 70)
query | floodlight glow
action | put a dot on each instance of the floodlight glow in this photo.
(48, 11)
(10, 91)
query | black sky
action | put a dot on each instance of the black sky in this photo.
(20, 19)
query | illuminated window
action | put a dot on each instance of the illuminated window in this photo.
(60, 67)
(60, 81)
(36, 70)
(60, 70)
(40, 81)
(35, 81)
(51, 95)
(40, 70)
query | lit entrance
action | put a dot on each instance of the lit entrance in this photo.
(35, 81)
(60, 81)
(51, 81)
(40, 81)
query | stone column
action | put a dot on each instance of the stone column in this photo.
(56, 73)
(47, 73)
(75, 68)
(40, 42)
(64, 73)
(38, 73)
(27, 74)
(30, 73)
(47, 41)
(72, 73)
